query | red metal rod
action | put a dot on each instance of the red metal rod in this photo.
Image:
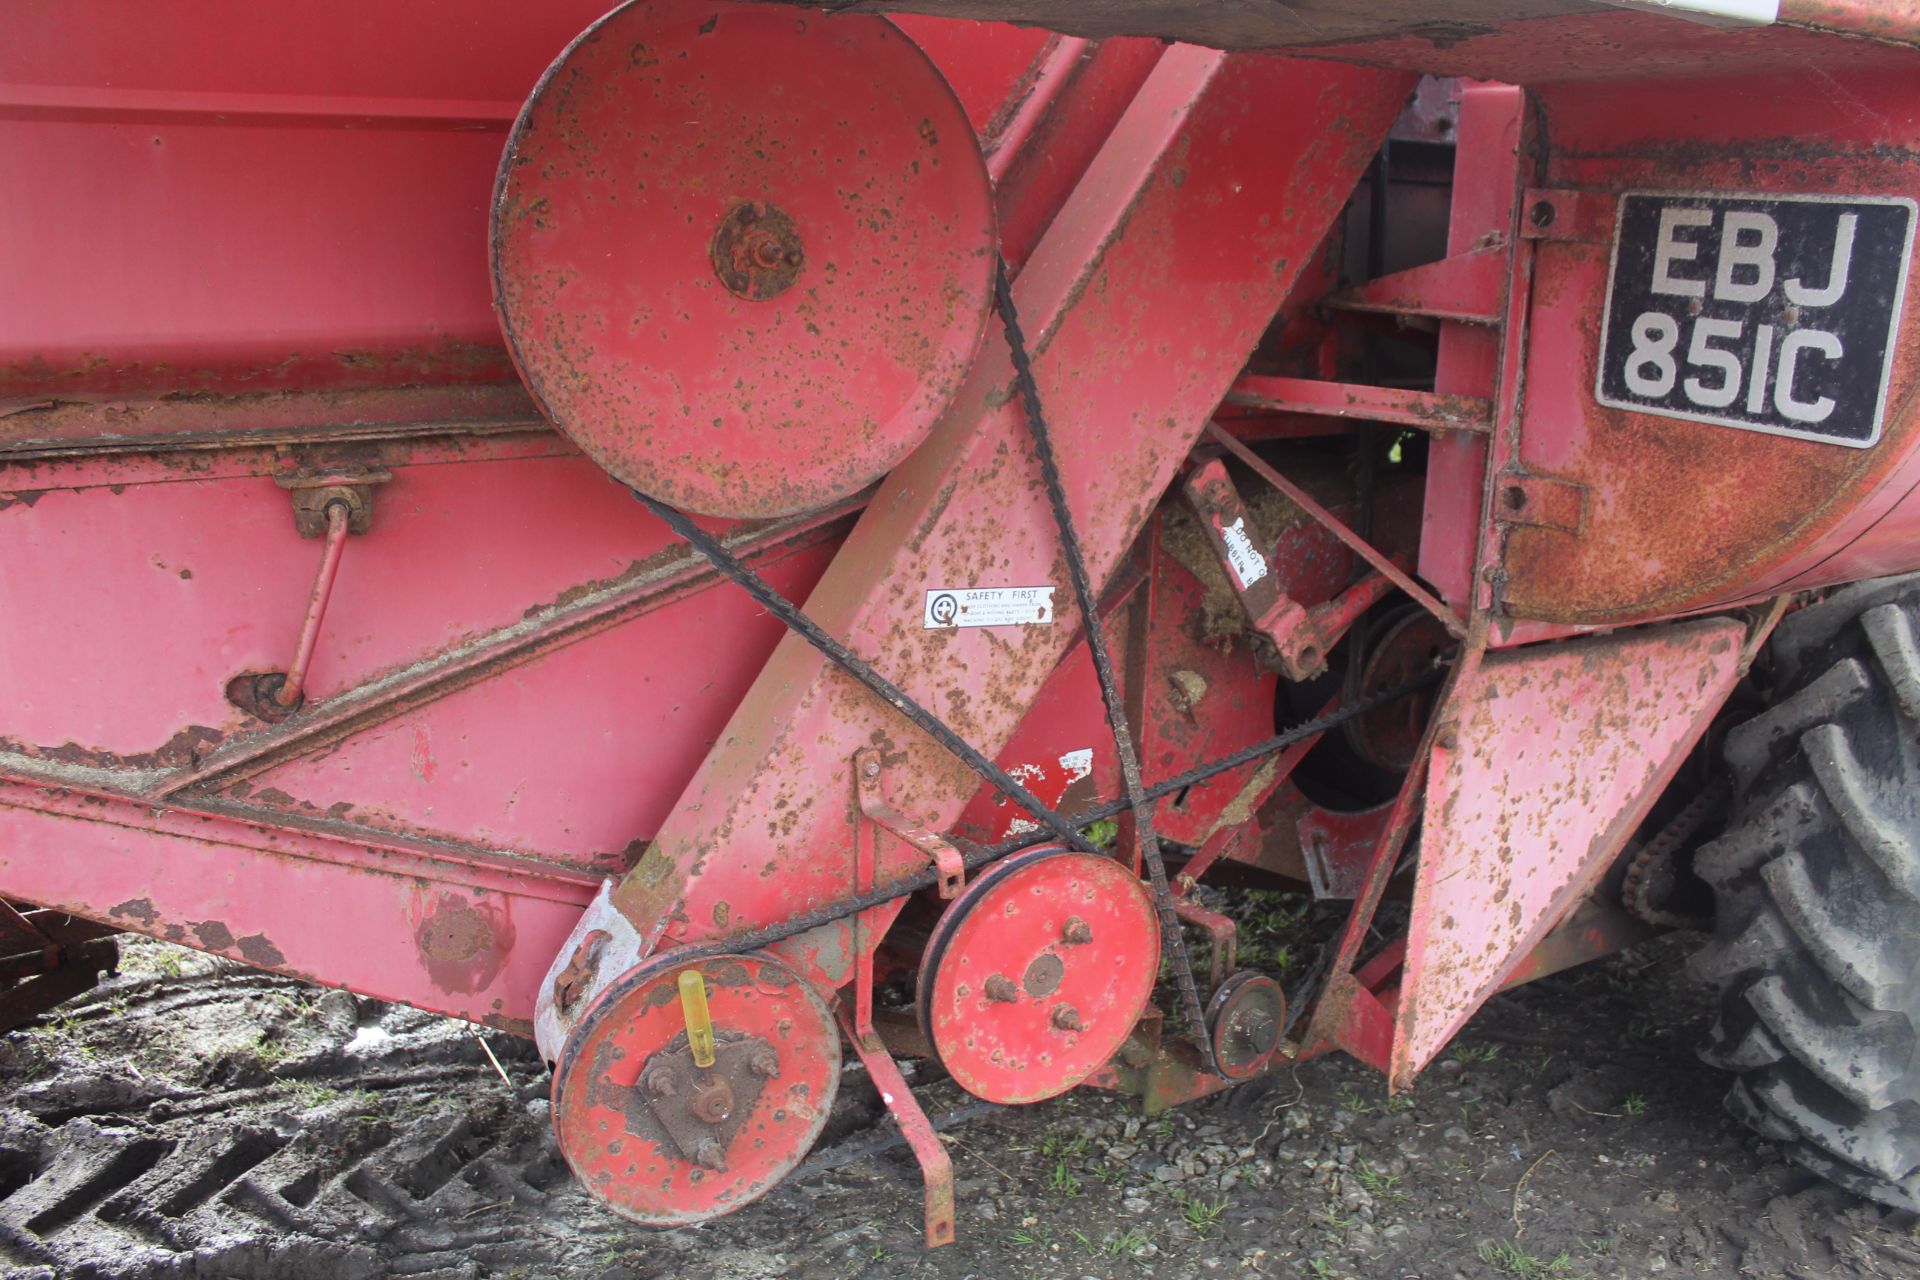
(289, 692)
(1358, 545)
(1057, 67)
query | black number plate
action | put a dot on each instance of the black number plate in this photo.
(1768, 313)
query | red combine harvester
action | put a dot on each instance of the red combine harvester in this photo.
(779, 480)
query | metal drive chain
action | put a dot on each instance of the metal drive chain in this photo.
(844, 658)
(1650, 873)
(979, 856)
(1142, 808)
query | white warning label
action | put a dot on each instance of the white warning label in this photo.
(987, 607)
(1248, 565)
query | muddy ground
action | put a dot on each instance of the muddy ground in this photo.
(192, 1119)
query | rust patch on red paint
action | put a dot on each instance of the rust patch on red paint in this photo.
(138, 910)
(256, 949)
(212, 934)
(463, 947)
(184, 748)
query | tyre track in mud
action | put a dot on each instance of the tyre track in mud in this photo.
(229, 1123)
(191, 1119)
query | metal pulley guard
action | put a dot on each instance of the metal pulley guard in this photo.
(742, 256)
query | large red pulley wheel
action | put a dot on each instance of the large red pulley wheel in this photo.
(742, 255)
(665, 1141)
(1038, 972)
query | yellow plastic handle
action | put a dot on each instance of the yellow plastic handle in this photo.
(693, 1003)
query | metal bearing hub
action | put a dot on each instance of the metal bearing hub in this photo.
(1037, 974)
(664, 1140)
(1245, 1018)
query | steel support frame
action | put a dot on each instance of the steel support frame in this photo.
(114, 838)
(1141, 304)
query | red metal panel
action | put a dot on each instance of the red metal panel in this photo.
(1558, 752)
(192, 174)
(208, 579)
(1486, 185)
(464, 937)
(1683, 516)
(196, 169)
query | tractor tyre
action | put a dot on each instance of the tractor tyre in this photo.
(1816, 942)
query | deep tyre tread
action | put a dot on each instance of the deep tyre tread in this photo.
(1816, 946)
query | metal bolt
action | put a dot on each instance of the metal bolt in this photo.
(712, 1100)
(1076, 932)
(1066, 1018)
(766, 251)
(707, 1152)
(1000, 989)
(764, 1063)
(871, 769)
(657, 1079)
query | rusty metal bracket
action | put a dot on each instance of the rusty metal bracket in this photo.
(1300, 636)
(868, 772)
(330, 506)
(1223, 939)
(1549, 214)
(1419, 410)
(1543, 502)
(1354, 542)
(1464, 288)
(317, 493)
(936, 1166)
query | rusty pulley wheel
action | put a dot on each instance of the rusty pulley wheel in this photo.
(742, 255)
(664, 1139)
(1246, 1018)
(1037, 973)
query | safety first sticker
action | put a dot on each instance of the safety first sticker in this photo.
(948, 607)
(1771, 313)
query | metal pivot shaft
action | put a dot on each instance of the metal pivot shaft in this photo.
(293, 688)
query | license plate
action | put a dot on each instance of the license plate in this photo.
(1767, 313)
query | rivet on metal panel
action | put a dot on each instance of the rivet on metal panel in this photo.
(1541, 501)
(1567, 215)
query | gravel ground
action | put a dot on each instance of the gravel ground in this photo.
(192, 1119)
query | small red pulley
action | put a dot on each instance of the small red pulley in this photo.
(1038, 972)
(689, 1089)
(742, 254)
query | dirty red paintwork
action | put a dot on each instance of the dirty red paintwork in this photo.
(518, 674)
(503, 581)
(966, 509)
(1556, 751)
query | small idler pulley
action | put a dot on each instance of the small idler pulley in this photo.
(743, 254)
(1246, 1018)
